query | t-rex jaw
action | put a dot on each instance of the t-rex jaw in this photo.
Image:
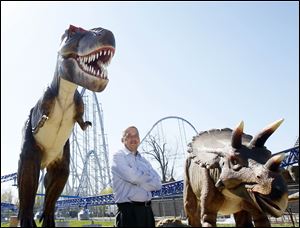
(96, 62)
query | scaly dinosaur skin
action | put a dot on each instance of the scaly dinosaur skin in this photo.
(82, 60)
(229, 172)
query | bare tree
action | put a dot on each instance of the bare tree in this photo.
(160, 153)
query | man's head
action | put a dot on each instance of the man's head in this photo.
(131, 138)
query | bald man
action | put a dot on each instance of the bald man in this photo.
(133, 180)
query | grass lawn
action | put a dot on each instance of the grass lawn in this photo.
(75, 223)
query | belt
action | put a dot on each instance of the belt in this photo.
(146, 203)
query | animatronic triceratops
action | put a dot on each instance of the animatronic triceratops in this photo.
(229, 172)
(82, 60)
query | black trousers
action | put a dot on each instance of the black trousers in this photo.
(135, 215)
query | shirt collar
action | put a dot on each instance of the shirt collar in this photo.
(129, 152)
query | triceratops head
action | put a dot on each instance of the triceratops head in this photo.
(84, 55)
(247, 168)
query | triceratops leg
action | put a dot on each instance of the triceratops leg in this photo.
(243, 219)
(261, 220)
(28, 177)
(211, 200)
(55, 180)
(191, 204)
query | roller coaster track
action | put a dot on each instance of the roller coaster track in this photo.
(165, 118)
(168, 190)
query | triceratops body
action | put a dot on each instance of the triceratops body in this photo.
(229, 172)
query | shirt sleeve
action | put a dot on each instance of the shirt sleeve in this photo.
(125, 171)
(154, 182)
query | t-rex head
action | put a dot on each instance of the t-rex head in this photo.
(84, 55)
(247, 168)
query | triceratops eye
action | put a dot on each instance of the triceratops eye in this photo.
(233, 160)
(235, 163)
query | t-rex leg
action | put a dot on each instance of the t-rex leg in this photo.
(28, 177)
(55, 180)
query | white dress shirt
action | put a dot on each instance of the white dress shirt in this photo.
(133, 177)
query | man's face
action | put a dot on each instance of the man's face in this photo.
(131, 139)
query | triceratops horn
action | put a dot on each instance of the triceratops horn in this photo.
(260, 139)
(274, 162)
(236, 138)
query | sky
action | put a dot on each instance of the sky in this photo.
(211, 63)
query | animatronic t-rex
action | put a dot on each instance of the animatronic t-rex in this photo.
(82, 60)
(229, 172)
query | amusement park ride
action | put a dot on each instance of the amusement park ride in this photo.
(89, 167)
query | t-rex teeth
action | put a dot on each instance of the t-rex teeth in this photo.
(105, 73)
(85, 62)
